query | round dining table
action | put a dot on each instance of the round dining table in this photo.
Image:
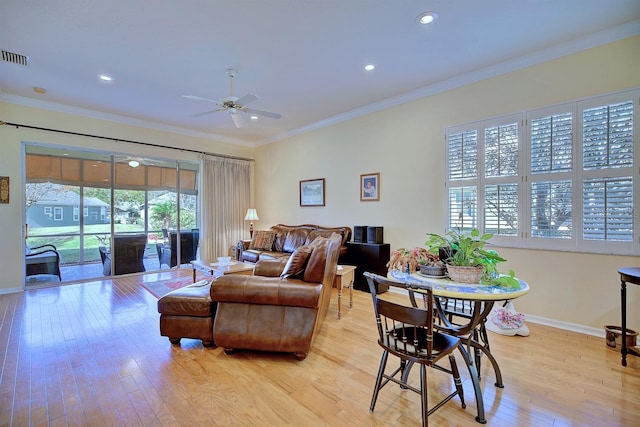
(462, 311)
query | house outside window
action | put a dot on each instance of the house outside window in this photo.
(76, 213)
(559, 177)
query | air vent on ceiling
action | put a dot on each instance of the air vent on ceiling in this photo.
(15, 58)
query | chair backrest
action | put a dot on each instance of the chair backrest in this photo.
(128, 253)
(188, 246)
(405, 331)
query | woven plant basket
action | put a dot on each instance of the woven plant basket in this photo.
(465, 274)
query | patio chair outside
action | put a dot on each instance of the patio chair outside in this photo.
(128, 251)
(43, 259)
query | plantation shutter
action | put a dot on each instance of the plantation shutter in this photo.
(501, 163)
(551, 154)
(463, 155)
(462, 166)
(607, 185)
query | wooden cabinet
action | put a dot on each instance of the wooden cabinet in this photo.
(368, 257)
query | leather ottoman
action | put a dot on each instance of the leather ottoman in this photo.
(188, 313)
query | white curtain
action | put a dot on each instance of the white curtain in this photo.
(225, 199)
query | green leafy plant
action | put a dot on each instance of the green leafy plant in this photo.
(468, 250)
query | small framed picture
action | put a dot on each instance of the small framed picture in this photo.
(4, 189)
(312, 192)
(370, 187)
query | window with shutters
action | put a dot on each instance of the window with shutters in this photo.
(558, 177)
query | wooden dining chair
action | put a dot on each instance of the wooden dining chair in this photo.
(453, 316)
(408, 333)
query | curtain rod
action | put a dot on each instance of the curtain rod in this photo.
(66, 132)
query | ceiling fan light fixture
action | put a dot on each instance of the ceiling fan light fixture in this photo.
(427, 17)
(134, 163)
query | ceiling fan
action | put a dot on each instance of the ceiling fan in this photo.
(233, 105)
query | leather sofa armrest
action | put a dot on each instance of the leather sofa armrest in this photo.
(241, 246)
(270, 267)
(243, 289)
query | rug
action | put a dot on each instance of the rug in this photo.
(163, 287)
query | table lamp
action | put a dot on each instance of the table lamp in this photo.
(251, 215)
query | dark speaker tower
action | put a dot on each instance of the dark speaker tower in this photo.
(360, 233)
(374, 235)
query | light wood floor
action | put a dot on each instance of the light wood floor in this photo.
(91, 354)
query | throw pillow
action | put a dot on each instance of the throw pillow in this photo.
(314, 271)
(262, 240)
(296, 263)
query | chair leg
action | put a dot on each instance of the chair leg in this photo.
(423, 395)
(456, 379)
(383, 364)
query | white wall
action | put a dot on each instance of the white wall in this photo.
(12, 163)
(406, 145)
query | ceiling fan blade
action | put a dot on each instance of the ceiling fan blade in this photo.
(237, 119)
(262, 113)
(208, 112)
(198, 98)
(246, 99)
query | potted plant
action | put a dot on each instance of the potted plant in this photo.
(410, 259)
(466, 258)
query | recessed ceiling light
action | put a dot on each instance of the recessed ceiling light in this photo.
(105, 77)
(427, 17)
(253, 117)
(134, 163)
(369, 67)
(40, 90)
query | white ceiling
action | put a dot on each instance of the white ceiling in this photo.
(303, 58)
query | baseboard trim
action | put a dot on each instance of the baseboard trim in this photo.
(10, 291)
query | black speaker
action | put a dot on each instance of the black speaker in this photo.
(360, 233)
(374, 235)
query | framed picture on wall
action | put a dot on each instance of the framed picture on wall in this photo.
(4, 189)
(312, 192)
(370, 187)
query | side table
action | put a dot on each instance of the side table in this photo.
(630, 275)
(344, 278)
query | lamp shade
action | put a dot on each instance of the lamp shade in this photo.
(251, 215)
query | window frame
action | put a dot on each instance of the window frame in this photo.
(525, 177)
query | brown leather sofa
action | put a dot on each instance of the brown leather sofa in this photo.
(276, 310)
(288, 238)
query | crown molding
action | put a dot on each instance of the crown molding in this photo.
(611, 35)
(61, 108)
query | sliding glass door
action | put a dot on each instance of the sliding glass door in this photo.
(104, 213)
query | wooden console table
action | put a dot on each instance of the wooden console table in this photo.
(630, 275)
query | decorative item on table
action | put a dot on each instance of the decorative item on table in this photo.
(435, 268)
(224, 260)
(466, 258)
